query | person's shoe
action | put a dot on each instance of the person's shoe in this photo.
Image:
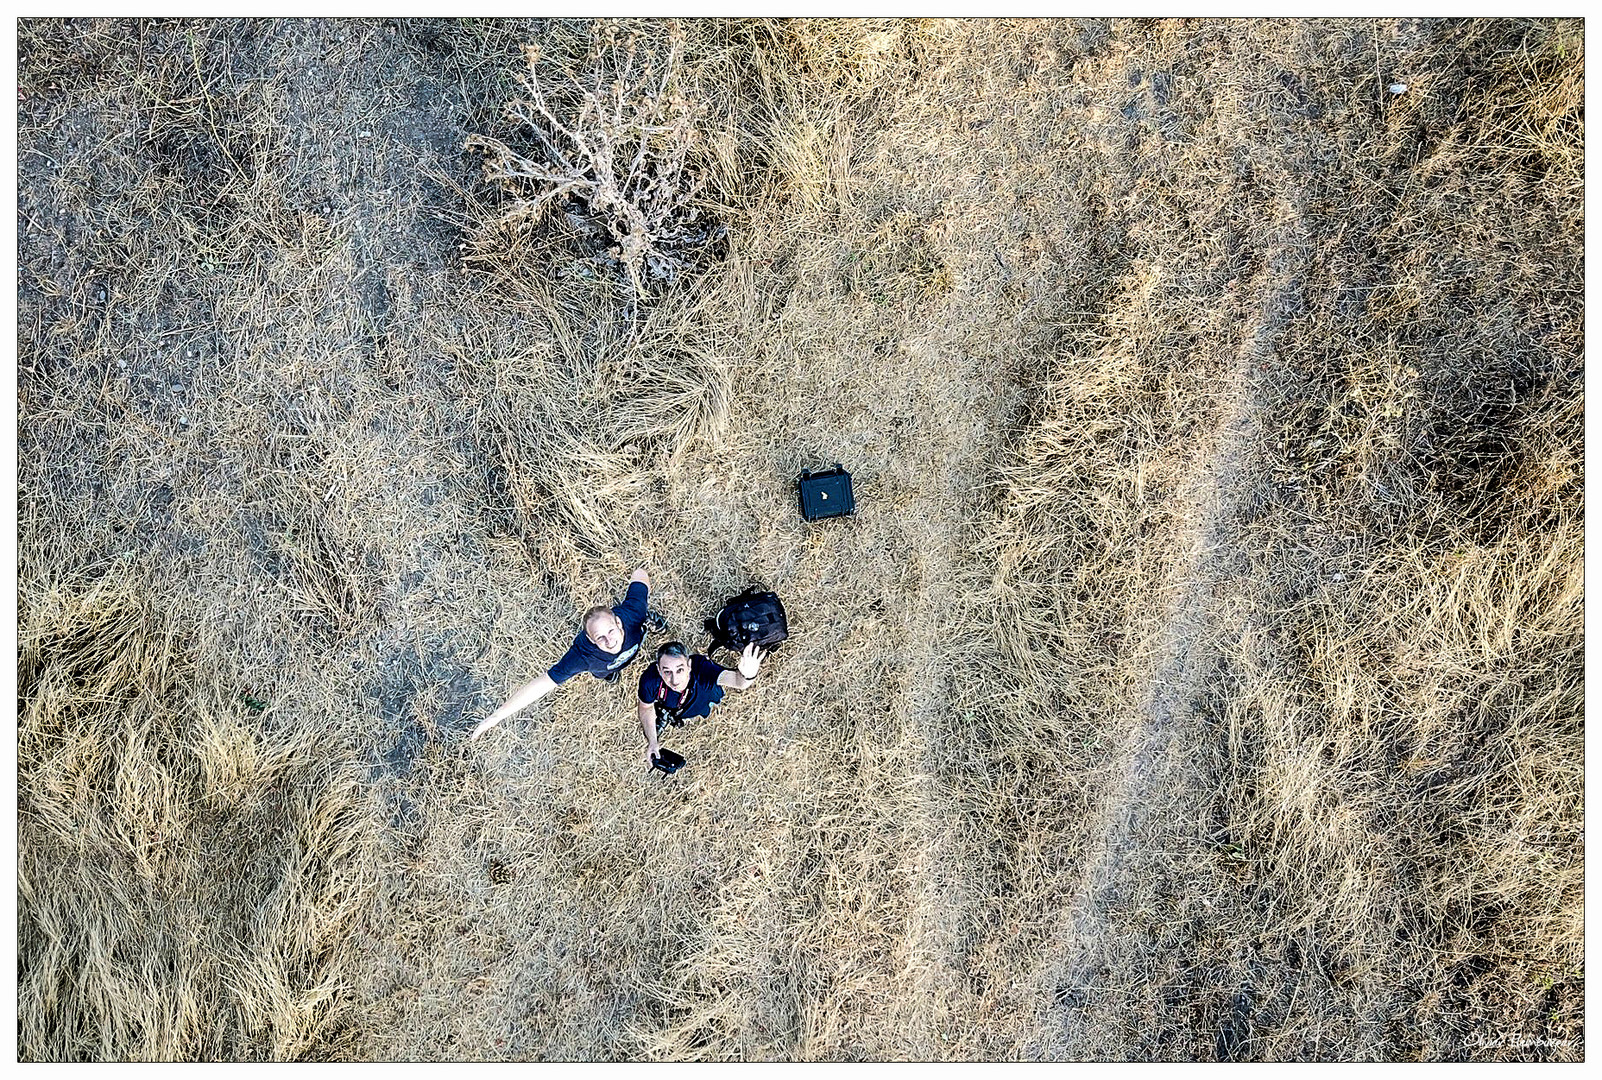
(654, 622)
(611, 677)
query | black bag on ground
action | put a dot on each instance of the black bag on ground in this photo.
(753, 616)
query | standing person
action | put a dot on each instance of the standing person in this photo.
(679, 686)
(608, 639)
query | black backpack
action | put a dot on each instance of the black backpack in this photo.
(753, 616)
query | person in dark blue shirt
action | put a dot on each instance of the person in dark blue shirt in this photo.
(679, 686)
(609, 639)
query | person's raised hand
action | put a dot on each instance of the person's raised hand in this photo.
(750, 661)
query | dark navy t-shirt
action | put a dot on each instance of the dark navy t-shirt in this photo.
(585, 655)
(699, 696)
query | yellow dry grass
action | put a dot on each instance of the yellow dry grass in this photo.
(1200, 679)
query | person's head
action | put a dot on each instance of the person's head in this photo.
(673, 664)
(604, 629)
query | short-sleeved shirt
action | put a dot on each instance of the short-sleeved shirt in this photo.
(585, 655)
(698, 697)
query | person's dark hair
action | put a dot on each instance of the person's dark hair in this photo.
(672, 648)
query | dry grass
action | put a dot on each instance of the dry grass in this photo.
(192, 858)
(1201, 679)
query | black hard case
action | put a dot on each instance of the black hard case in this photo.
(826, 494)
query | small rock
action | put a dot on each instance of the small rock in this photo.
(184, 420)
(1397, 88)
(122, 363)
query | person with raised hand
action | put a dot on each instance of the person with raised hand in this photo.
(608, 640)
(680, 686)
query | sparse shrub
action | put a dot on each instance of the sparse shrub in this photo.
(612, 162)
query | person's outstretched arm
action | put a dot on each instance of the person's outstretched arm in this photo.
(745, 675)
(648, 725)
(525, 696)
